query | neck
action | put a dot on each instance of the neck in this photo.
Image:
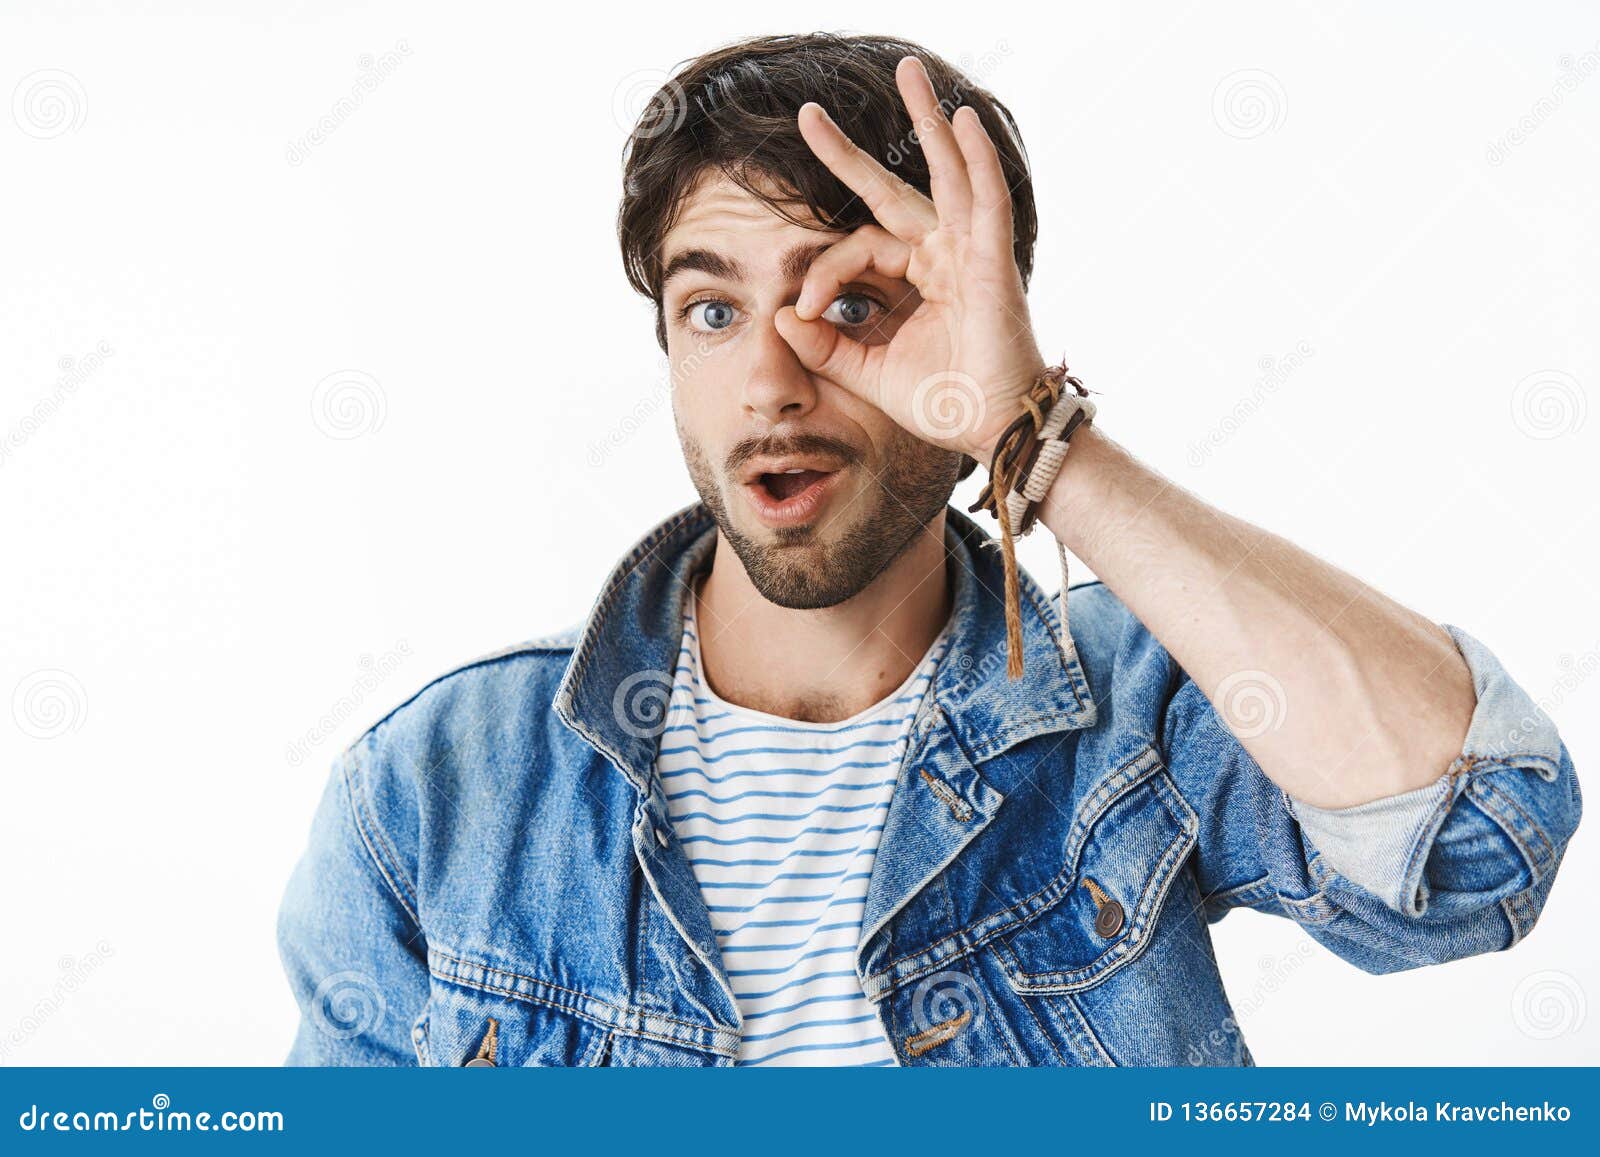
(822, 665)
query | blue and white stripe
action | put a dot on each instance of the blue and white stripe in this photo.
(781, 820)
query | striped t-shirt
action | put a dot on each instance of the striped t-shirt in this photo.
(781, 820)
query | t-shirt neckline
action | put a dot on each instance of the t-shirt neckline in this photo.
(692, 631)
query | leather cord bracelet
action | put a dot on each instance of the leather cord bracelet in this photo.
(1044, 460)
(1027, 458)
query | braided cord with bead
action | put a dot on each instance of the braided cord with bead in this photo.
(1027, 457)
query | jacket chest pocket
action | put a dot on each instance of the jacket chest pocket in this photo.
(1130, 840)
(467, 1026)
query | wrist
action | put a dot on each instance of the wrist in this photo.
(1033, 450)
(1069, 506)
(1004, 407)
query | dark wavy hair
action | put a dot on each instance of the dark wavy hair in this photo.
(733, 111)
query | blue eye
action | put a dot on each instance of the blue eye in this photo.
(851, 309)
(710, 316)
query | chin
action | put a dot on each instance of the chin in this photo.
(798, 577)
(801, 595)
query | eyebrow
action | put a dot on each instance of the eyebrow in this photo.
(794, 265)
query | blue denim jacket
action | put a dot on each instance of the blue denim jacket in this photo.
(492, 876)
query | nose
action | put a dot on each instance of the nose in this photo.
(776, 386)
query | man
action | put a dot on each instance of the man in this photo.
(779, 800)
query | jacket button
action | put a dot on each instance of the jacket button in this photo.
(1108, 921)
(479, 1063)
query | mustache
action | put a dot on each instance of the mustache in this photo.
(777, 447)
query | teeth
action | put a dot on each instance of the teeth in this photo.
(796, 470)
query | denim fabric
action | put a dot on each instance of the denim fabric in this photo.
(492, 873)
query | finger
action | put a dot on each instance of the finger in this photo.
(991, 223)
(869, 247)
(897, 206)
(826, 352)
(947, 168)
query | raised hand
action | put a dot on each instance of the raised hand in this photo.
(955, 372)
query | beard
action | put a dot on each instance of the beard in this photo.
(826, 562)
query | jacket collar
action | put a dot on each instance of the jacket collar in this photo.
(615, 690)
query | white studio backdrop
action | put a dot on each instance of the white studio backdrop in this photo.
(319, 376)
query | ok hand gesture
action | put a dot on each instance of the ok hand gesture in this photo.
(955, 372)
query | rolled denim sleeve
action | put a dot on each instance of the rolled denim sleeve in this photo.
(1453, 869)
(1492, 826)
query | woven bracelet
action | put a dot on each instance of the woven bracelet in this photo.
(1026, 460)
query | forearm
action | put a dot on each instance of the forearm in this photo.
(1340, 694)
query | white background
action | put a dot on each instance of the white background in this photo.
(205, 553)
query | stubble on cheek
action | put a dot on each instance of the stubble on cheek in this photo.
(704, 476)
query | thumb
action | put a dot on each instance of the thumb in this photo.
(827, 352)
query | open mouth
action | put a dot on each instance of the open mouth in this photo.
(790, 497)
(790, 483)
